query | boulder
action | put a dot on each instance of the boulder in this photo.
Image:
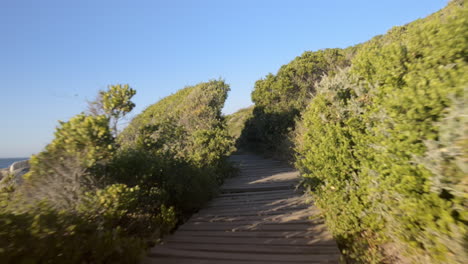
(19, 165)
(18, 169)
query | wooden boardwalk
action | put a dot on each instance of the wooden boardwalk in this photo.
(258, 218)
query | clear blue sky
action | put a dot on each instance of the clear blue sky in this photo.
(54, 55)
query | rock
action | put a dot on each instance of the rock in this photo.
(19, 165)
(18, 169)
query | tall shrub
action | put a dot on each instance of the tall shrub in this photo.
(380, 147)
(279, 99)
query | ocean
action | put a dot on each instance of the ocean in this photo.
(6, 162)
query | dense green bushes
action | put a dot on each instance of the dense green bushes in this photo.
(96, 196)
(186, 124)
(379, 131)
(186, 133)
(383, 145)
(280, 98)
(107, 227)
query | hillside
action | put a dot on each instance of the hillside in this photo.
(236, 121)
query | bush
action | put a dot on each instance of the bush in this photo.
(70, 164)
(93, 196)
(383, 143)
(179, 145)
(165, 180)
(107, 228)
(279, 99)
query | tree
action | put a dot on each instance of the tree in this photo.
(115, 103)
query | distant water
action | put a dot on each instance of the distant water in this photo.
(6, 162)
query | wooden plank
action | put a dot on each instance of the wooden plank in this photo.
(259, 184)
(179, 260)
(236, 202)
(243, 256)
(279, 218)
(233, 227)
(254, 189)
(261, 181)
(255, 198)
(249, 202)
(257, 193)
(244, 184)
(307, 222)
(280, 211)
(265, 249)
(248, 240)
(252, 234)
(253, 212)
(255, 207)
(267, 207)
(252, 199)
(279, 193)
(260, 173)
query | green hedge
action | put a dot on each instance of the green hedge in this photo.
(109, 226)
(185, 134)
(383, 144)
(93, 197)
(279, 99)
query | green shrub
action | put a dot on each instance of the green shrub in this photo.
(280, 98)
(71, 163)
(85, 137)
(115, 103)
(165, 180)
(179, 145)
(328, 158)
(107, 228)
(93, 198)
(383, 144)
(190, 109)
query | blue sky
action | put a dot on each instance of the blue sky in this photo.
(55, 55)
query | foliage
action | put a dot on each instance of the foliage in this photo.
(327, 158)
(280, 98)
(116, 102)
(87, 137)
(184, 138)
(70, 164)
(186, 125)
(383, 144)
(107, 228)
(93, 198)
(379, 131)
(164, 180)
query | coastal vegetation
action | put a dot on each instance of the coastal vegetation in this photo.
(98, 196)
(236, 122)
(379, 133)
